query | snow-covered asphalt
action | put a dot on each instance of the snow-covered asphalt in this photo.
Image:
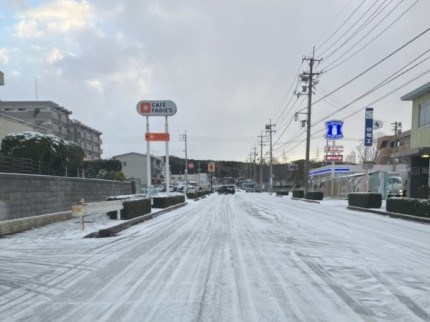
(243, 257)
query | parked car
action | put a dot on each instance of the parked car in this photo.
(228, 189)
(395, 186)
(249, 187)
(192, 188)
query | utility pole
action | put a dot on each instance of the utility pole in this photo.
(269, 129)
(254, 178)
(397, 130)
(261, 160)
(184, 138)
(250, 166)
(309, 78)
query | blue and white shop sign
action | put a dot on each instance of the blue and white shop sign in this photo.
(368, 127)
(334, 129)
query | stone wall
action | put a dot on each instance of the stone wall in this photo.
(24, 195)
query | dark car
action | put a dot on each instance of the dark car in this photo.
(224, 190)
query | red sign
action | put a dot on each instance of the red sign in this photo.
(157, 137)
(145, 108)
(334, 158)
(191, 166)
(333, 148)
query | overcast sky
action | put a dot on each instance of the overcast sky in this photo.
(230, 67)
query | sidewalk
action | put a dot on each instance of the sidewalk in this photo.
(71, 229)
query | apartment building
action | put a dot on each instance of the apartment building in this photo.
(56, 120)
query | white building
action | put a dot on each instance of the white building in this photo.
(134, 168)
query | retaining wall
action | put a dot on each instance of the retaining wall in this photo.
(23, 195)
(17, 225)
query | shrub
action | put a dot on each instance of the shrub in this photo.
(423, 208)
(133, 208)
(365, 200)
(423, 192)
(298, 193)
(409, 206)
(193, 195)
(164, 202)
(282, 193)
(314, 195)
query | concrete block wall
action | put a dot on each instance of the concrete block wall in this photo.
(16, 225)
(24, 195)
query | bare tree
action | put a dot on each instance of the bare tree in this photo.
(372, 151)
(351, 158)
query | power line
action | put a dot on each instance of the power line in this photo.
(340, 27)
(359, 28)
(337, 63)
(376, 64)
(372, 103)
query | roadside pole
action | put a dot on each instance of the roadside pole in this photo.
(167, 174)
(157, 108)
(368, 141)
(366, 171)
(148, 158)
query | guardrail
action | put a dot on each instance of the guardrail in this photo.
(85, 209)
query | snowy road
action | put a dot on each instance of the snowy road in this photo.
(243, 257)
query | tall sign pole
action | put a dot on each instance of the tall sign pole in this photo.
(368, 141)
(157, 108)
(167, 171)
(148, 158)
(334, 132)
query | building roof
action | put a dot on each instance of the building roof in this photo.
(420, 91)
(128, 154)
(33, 104)
(86, 127)
(41, 129)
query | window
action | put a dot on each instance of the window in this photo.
(424, 114)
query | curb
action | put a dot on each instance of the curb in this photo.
(111, 231)
(306, 200)
(392, 214)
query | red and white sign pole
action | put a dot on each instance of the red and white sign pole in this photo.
(157, 108)
(148, 158)
(167, 170)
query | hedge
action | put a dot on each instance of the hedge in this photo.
(133, 208)
(199, 194)
(282, 193)
(164, 202)
(298, 193)
(314, 195)
(409, 206)
(365, 199)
